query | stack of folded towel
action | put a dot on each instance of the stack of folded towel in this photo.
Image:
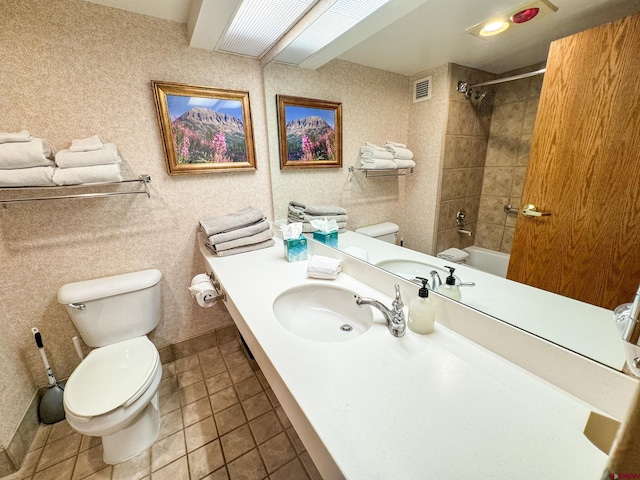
(304, 213)
(454, 255)
(372, 157)
(402, 156)
(88, 160)
(242, 231)
(322, 267)
(24, 161)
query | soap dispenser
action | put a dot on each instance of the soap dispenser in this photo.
(422, 311)
(449, 287)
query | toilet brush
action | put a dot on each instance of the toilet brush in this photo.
(51, 409)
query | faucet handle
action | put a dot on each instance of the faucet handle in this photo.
(397, 303)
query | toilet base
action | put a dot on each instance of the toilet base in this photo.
(135, 438)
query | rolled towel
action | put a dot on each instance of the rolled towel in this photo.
(317, 209)
(400, 153)
(326, 268)
(33, 153)
(374, 151)
(105, 156)
(246, 248)
(376, 163)
(454, 255)
(8, 137)
(27, 177)
(241, 242)
(93, 174)
(224, 223)
(404, 163)
(258, 227)
(86, 144)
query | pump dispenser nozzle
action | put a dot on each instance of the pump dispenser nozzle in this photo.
(450, 280)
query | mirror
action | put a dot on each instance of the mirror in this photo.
(376, 109)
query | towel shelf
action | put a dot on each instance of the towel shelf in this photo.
(383, 172)
(143, 180)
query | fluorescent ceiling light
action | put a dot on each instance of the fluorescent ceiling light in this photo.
(340, 17)
(258, 24)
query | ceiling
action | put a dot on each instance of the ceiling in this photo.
(406, 36)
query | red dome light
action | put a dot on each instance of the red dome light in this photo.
(525, 15)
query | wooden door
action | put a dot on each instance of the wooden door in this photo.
(584, 169)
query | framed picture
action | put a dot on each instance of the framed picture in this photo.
(204, 129)
(310, 133)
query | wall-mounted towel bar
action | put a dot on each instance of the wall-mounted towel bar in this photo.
(143, 180)
(383, 172)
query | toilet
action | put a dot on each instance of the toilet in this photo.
(387, 231)
(113, 393)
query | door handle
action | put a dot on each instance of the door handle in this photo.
(531, 211)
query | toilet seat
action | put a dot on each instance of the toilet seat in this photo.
(111, 377)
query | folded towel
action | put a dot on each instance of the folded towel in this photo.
(257, 227)
(241, 242)
(396, 144)
(86, 144)
(93, 174)
(295, 216)
(105, 156)
(27, 177)
(33, 153)
(400, 153)
(241, 218)
(404, 163)
(374, 151)
(8, 137)
(317, 209)
(324, 267)
(246, 248)
(308, 228)
(376, 163)
(454, 255)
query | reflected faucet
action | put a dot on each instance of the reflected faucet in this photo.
(394, 317)
(632, 330)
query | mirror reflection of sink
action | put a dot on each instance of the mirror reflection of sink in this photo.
(409, 269)
(323, 313)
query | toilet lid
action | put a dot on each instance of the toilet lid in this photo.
(110, 377)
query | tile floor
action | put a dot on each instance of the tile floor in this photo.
(219, 420)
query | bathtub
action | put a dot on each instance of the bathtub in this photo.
(487, 260)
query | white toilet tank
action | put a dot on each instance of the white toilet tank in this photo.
(386, 231)
(112, 309)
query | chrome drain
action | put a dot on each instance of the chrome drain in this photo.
(346, 327)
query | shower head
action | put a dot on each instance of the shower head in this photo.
(480, 100)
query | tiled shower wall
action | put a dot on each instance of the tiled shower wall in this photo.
(514, 113)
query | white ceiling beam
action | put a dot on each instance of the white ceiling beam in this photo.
(208, 20)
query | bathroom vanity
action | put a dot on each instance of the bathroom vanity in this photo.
(420, 406)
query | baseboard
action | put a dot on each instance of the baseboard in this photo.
(13, 455)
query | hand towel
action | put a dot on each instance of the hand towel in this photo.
(374, 151)
(308, 228)
(27, 177)
(395, 144)
(33, 153)
(326, 268)
(105, 156)
(246, 248)
(86, 144)
(257, 227)
(404, 163)
(93, 174)
(454, 255)
(8, 137)
(241, 218)
(317, 209)
(376, 163)
(241, 242)
(400, 153)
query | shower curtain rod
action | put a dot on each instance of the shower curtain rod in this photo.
(500, 80)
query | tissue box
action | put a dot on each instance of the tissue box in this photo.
(330, 239)
(295, 249)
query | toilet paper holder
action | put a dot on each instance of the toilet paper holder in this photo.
(220, 293)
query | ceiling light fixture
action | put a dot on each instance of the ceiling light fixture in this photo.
(493, 28)
(523, 14)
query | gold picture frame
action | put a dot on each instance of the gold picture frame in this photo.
(309, 132)
(204, 129)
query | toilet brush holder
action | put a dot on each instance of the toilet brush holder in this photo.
(51, 407)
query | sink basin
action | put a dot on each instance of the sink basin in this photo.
(409, 269)
(323, 313)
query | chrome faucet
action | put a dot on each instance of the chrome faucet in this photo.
(632, 330)
(436, 281)
(394, 317)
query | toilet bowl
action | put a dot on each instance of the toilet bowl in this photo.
(113, 393)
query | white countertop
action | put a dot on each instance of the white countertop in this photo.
(418, 407)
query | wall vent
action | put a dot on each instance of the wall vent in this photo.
(422, 89)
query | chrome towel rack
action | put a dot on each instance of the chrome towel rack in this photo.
(142, 180)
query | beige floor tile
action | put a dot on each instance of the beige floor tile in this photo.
(295, 440)
(265, 426)
(59, 450)
(284, 420)
(28, 466)
(247, 467)
(189, 377)
(168, 403)
(183, 349)
(209, 355)
(135, 468)
(89, 462)
(230, 419)
(227, 334)
(272, 397)
(220, 474)
(167, 450)
(237, 442)
(230, 348)
(218, 382)
(41, 437)
(104, 474)
(291, 471)
(200, 433)
(263, 379)
(256, 405)
(168, 385)
(170, 423)
(187, 363)
(59, 430)
(248, 388)
(277, 451)
(60, 471)
(213, 367)
(205, 341)
(196, 411)
(310, 467)
(241, 372)
(177, 470)
(205, 460)
(223, 399)
(169, 370)
(89, 442)
(192, 393)
(235, 359)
